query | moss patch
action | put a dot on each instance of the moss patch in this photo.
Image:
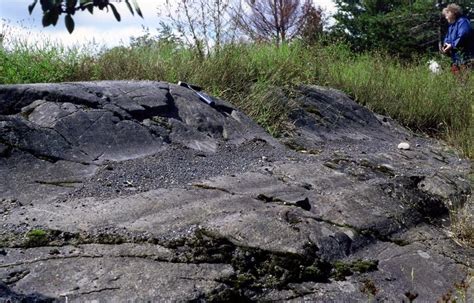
(36, 238)
(341, 269)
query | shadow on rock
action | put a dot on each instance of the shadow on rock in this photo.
(8, 295)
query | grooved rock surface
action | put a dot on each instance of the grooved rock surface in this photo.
(139, 191)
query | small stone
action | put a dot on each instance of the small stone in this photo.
(404, 146)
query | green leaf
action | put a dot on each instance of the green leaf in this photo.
(129, 7)
(69, 23)
(114, 10)
(49, 17)
(46, 20)
(71, 3)
(137, 8)
(54, 18)
(71, 6)
(32, 6)
(46, 5)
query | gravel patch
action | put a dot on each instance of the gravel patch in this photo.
(177, 166)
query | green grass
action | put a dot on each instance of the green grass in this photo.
(247, 75)
(439, 105)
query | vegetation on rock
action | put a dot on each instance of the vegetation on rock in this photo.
(35, 238)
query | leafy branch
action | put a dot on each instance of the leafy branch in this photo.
(52, 9)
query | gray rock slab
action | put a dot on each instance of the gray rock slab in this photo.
(138, 190)
(91, 123)
(122, 273)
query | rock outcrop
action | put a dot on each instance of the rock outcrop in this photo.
(139, 191)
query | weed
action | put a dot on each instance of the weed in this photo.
(369, 288)
(461, 291)
(462, 223)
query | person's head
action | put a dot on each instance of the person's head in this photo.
(452, 12)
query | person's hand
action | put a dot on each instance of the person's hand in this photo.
(446, 48)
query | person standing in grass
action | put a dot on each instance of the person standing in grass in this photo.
(459, 41)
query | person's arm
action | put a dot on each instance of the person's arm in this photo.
(463, 29)
(447, 43)
(447, 39)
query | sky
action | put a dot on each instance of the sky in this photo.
(101, 27)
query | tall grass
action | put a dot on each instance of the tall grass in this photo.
(440, 105)
(26, 66)
(248, 74)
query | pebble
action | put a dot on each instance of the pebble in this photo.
(404, 146)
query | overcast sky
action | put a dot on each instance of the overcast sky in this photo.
(102, 26)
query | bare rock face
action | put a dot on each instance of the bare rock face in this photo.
(139, 191)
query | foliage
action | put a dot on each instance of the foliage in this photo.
(52, 9)
(311, 30)
(400, 27)
(165, 36)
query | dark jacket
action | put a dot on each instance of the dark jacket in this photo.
(461, 36)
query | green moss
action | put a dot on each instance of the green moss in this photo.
(341, 269)
(314, 273)
(362, 266)
(163, 122)
(36, 238)
(243, 280)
